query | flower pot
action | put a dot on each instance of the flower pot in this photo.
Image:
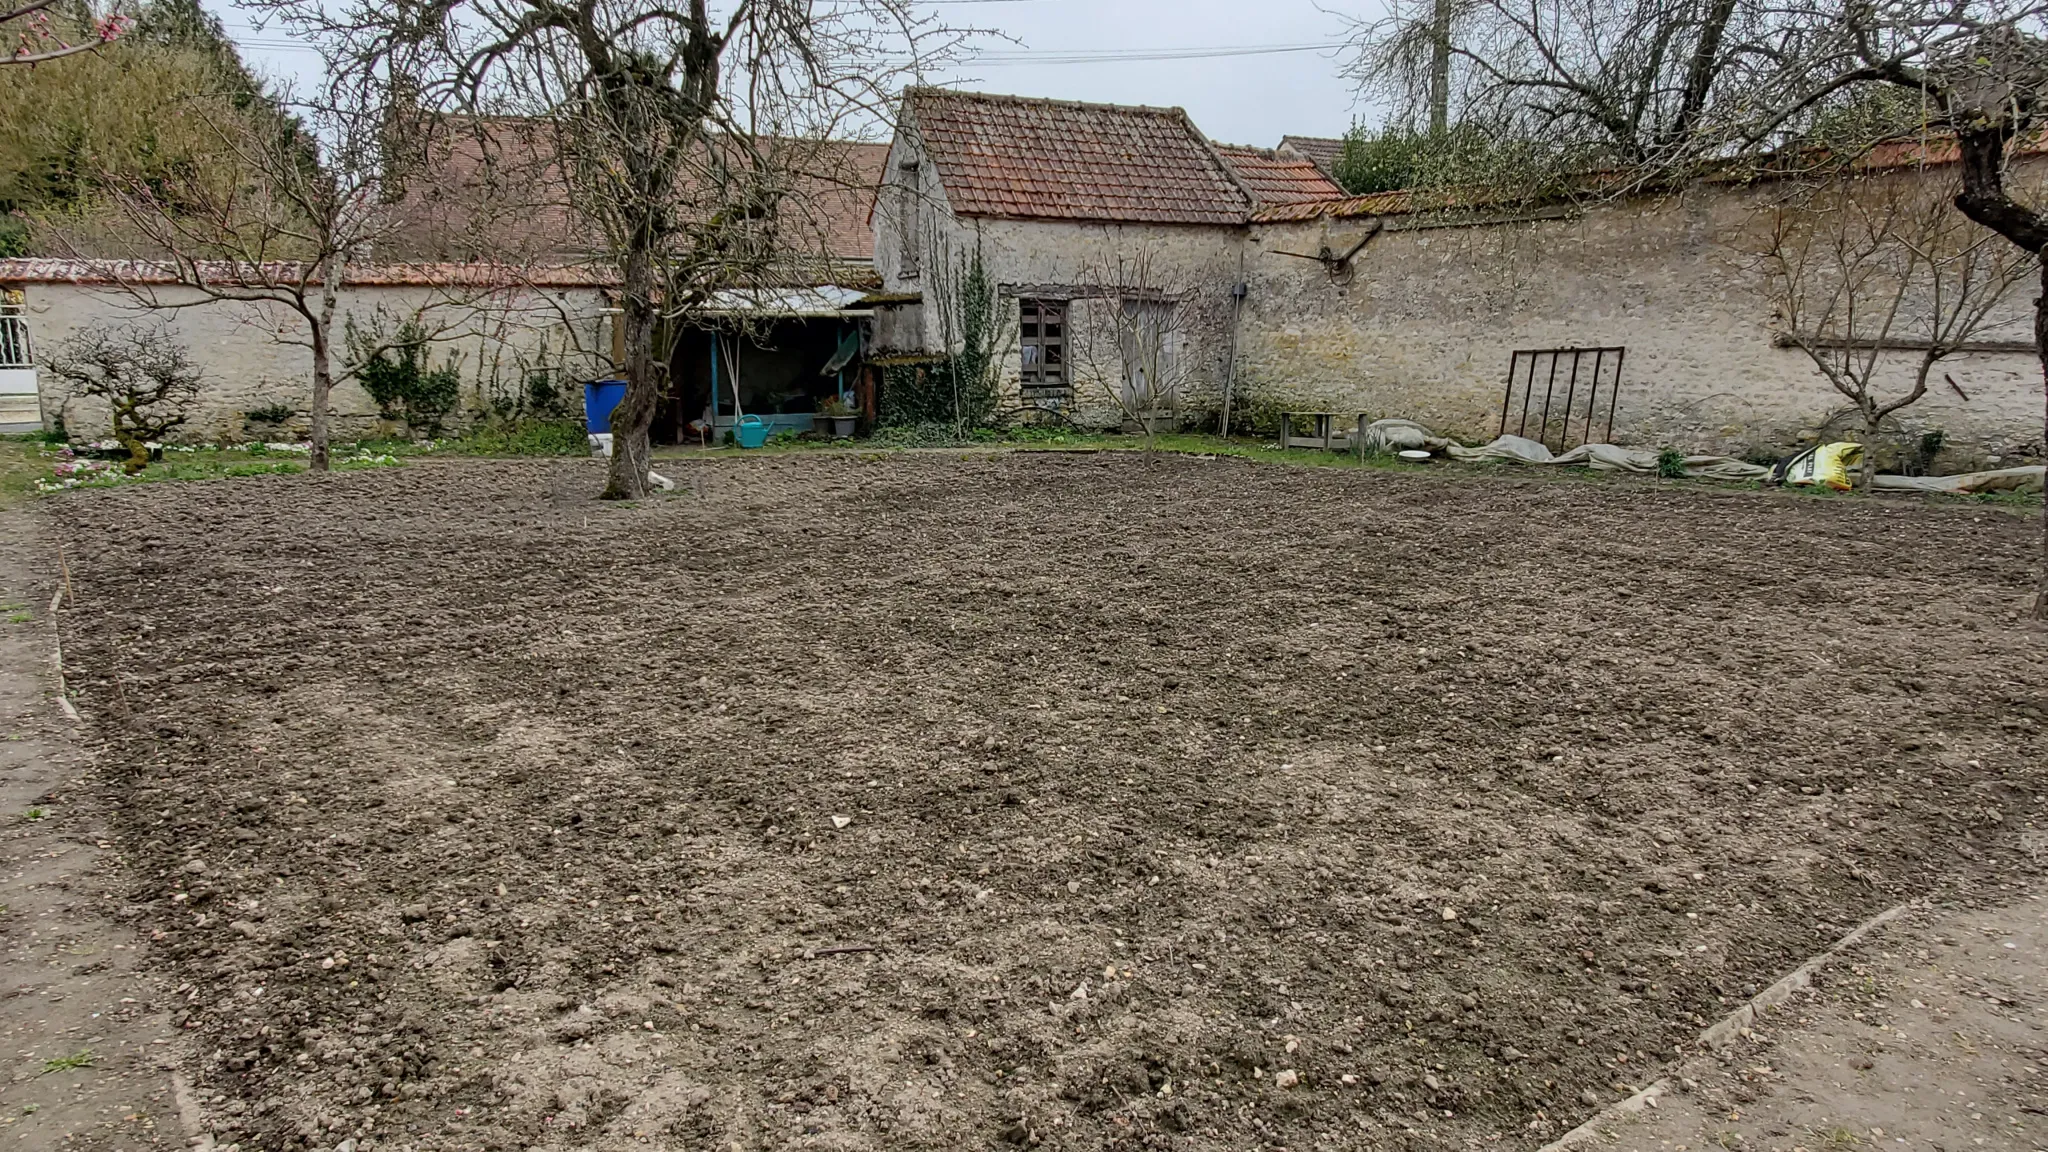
(842, 426)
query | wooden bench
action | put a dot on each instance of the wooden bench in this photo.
(1325, 435)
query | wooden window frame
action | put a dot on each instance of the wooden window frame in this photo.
(1033, 314)
(909, 220)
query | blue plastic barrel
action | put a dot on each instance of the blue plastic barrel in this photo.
(599, 398)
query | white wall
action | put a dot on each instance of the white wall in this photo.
(250, 361)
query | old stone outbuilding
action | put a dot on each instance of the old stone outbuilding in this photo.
(1644, 320)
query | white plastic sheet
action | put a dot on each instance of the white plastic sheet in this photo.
(1394, 435)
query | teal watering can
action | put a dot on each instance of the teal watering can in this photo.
(749, 432)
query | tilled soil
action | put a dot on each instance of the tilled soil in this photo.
(1069, 802)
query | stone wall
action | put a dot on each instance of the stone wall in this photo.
(1426, 324)
(250, 363)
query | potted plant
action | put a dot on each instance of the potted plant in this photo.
(840, 413)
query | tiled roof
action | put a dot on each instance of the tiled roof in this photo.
(1930, 151)
(510, 164)
(1321, 151)
(49, 270)
(1278, 178)
(843, 198)
(1010, 156)
(1371, 204)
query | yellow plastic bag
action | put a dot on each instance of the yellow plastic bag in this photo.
(1829, 464)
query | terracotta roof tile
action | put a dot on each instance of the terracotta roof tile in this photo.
(1372, 204)
(1277, 178)
(1011, 156)
(1321, 151)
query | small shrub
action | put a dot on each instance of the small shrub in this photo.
(364, 458)
(14, 236)
(147, 380)
(528, 438)
(1671, 464)
(547, 396)
(924, 434)
(1929, 447)
(270, 414)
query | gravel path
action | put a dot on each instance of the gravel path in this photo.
(1931, 1037)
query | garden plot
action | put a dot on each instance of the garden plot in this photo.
(1069, 802)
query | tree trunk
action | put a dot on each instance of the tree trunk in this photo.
(2041, 349)
(1985, 200)
(634, 417)
(138, 452)
(323, 364)
(323, 389)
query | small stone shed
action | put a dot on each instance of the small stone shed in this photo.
(1078, 212)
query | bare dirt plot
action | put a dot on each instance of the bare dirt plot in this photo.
(1057, 801)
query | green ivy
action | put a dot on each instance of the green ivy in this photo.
(399, 378)
(957, 390)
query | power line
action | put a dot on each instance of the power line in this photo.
(1122, 55)
(1011, 57)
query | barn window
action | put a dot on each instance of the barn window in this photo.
(1042, 332)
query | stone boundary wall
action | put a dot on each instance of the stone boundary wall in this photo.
(1429, 317)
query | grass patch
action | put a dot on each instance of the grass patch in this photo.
(524, 438)
(68, 1063)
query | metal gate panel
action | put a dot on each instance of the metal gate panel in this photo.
(1576, 385)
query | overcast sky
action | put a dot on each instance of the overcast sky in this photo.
(1253, 97)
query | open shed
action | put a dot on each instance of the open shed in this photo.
(772, 353)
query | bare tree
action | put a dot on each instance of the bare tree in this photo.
(1131, 335)
(270, 220)
(146, 379)
(39, 38)
(1871, 265)
(1654, 87)
(293, 191)
(676, 133)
